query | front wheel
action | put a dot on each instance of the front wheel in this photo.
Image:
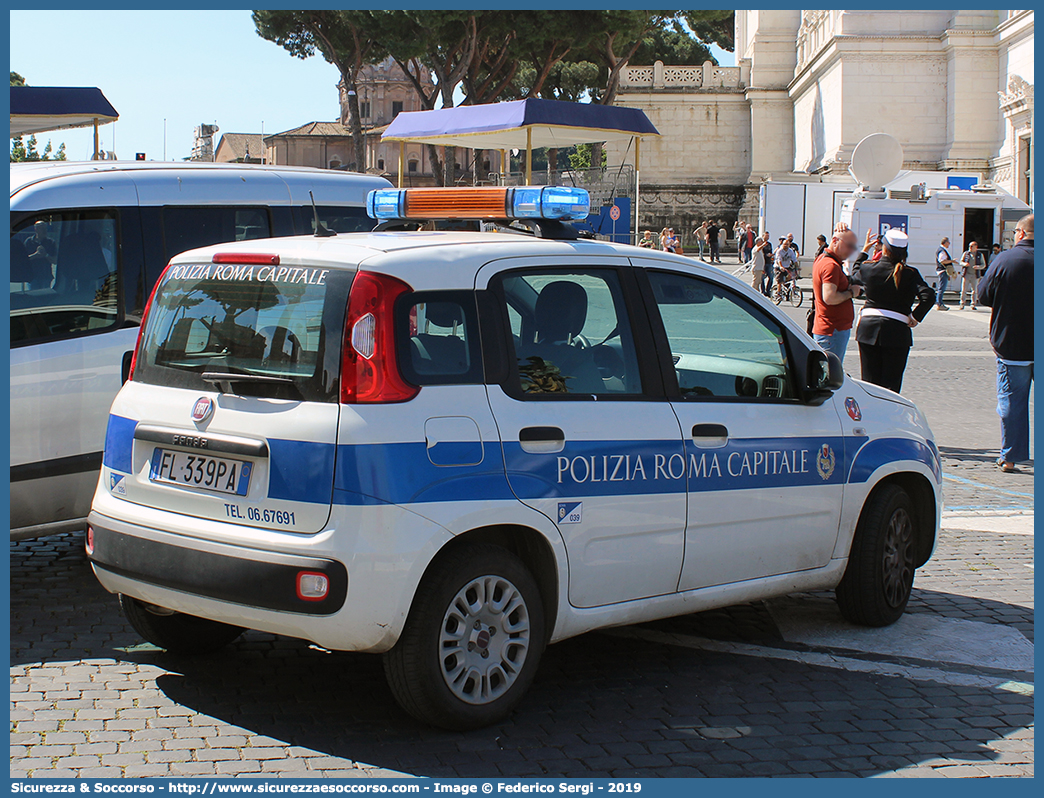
(797, 296)
(472, 641)
(177, 632)
(777, 295)
(879, 578)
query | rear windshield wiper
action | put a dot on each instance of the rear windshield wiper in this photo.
(224, 380)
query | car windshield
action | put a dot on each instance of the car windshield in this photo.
(260, 321)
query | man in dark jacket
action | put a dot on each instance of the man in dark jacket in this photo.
(1007, 287)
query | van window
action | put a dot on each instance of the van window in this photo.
(64, 274)
(265, 321)
(191, 227)
(341, 219)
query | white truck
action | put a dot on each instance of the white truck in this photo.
(808, 206)
(987, 216)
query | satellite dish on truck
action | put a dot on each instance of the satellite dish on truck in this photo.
(876, 160)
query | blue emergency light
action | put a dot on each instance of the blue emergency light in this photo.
(561, 203)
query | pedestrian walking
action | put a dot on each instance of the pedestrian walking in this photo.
(943, 270)
(701, 237)
(833, 292)
(737, 232)
(712, 240)
(971, 262)
(757, 264)
(822, 243)
(748, 239)
(770, 265)
(723, 235)
(885, 323)
(1007, 288)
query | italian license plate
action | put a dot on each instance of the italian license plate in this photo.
(200, 471)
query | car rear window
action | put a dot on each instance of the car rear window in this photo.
(254, 320)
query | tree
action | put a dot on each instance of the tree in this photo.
(713, 27)
(344, 40)
(445, 42)
(16, 79)
(17, 150)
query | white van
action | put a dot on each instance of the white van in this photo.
(88, 241)
(963, 216)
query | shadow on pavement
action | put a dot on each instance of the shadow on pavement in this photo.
(600, 705)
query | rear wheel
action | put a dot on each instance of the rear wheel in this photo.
(472, 641)
(880, 574)
(176, 632)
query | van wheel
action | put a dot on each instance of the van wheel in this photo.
(472, 641)
(880, 573)
(177, 632)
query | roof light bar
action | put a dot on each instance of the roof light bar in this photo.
(563, 203)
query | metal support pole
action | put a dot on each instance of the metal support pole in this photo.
(95, 158)
(637, 182)
(402, 157)
(529, 156)
(505, 165)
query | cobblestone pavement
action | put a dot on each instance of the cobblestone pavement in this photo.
(771, 688)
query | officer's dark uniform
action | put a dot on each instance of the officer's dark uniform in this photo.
(884, 343)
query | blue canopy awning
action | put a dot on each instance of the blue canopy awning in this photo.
(513, 125)
(36, 109)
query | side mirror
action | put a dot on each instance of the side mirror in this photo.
(823, 372)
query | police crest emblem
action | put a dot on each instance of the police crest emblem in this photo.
(825, 461)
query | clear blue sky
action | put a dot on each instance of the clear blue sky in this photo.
(188, 67)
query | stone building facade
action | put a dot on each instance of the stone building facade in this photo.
(954, 87)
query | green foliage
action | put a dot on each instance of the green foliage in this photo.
(27, 152)
(580, 157)
(565, 54)
(713, 27)
(671, 44)
(16, 79)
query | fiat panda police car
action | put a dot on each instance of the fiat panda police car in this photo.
(455, 448)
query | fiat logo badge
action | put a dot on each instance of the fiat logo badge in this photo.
(202, 409)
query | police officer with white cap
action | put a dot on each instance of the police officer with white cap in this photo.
(891, 288)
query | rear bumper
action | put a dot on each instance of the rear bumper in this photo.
(227, 573)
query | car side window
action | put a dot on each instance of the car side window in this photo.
(64, 274)
(570, 334)
(438, 338)
(721, 345)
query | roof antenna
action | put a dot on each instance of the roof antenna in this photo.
(321, 230)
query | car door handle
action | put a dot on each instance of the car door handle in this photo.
(541, 440)
(710, 435)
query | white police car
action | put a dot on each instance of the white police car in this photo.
(456, 448)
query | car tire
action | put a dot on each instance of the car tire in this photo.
(472, 641)
(879, 578)
(177, 632)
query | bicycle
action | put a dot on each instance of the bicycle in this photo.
(787, 288)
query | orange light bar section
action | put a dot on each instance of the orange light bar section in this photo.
(457, 203)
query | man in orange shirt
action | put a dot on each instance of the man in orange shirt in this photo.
(833, 293)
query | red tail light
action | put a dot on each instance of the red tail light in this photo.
(141, 329)
(369, 367)
(246, 257)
